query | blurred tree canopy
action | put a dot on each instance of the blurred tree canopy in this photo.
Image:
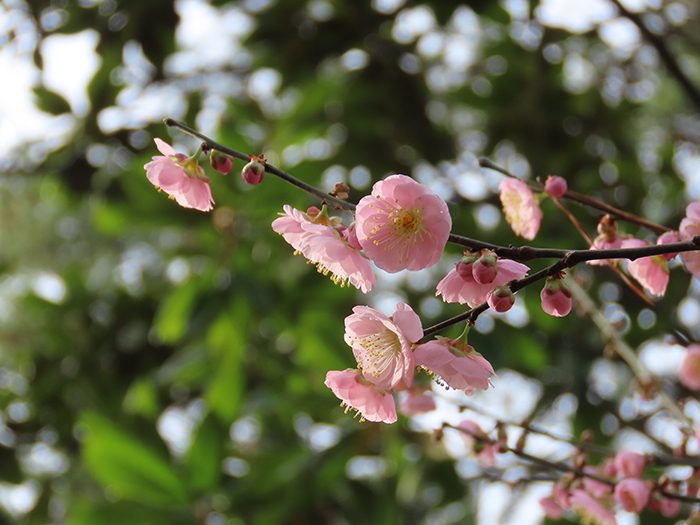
(161, 365)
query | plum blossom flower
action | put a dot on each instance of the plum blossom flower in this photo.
(402, 225)
(326, 244)
(180, 177)
(551, 509)
(651, 272)
(632, 494)
(689, 373)
(590, 509)
(520, 205)
(459, 285)
(382, 345)
(629, 464)
(595, 488)
(417, 402)
(689, 228)
(556, 296)
(455, 364)
(555, 186)
(356, 393)
(609, 238)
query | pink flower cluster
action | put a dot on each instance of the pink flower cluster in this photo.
(387, 352)
(616, 482)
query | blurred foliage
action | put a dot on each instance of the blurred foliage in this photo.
(171, 362)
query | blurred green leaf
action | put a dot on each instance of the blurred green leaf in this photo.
(142, 398)
(204, 457)
(50, 101)
(172, 319)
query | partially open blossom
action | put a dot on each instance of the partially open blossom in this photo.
(555, 186)
(632, 494)
(220, 162)
(254, 172)
(609, 238)
(556, 296)
(590, 509)
(479, 442)
(459, 285)
(689, 373)
(689, 228)
(629, 464)
(501, 299)
(651, 272)
(382, 345)
(670, 507)
(455, 364)
(359, 394)
(551, 509)
(667, 238)
(180, 177)
(520, 205)
(325, 243)
(402, 225)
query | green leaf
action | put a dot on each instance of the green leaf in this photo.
(142, 398)
(50, 101)
(173, 315)
(123, 463)
(204, 457)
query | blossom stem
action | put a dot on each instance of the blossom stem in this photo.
(210, 144)
(586, 201)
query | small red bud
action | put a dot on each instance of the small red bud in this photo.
(254, 171)
(220, 161)
(555, 186)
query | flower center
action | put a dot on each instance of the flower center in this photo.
(407, 222)
(380, 353)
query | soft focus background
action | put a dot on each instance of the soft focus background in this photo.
(160, 365)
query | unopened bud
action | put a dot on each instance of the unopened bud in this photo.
(254, 171)
(220, 161)
(555, 186)
(501, 299)
(340, 191)
(485, 268)
(464, 266)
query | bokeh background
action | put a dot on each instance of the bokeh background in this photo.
(159, 365)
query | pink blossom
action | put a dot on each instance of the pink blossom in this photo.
(463, 288)
(327, 246)
(480, 443)
(667, 238)
(555, 186)
(608, 239)
(689, 373)
(632, 494)
(521, 207)
(629, 464)
(220, 162)
(551, 509)
(690, 227)
(590, 509)
(402, 225)
(382, 345)
(651, 272)
(417, 402)
(455, 363)
(254, 172)
(359, 394)
(556, 296)
(561, 496)
(595, 488)
(670, 507)
(180, 177)
(501, 299)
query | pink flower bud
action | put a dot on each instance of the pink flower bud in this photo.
(630, 464)
(555, 186)
(551, 509)
(670, 507)
(689, 373)
(556, 296)
(254, 171)
(632, 494)
(340, 191)
(220, 161)
(485, 268)
(501, 299)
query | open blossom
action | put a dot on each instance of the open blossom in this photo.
(689, 373)
(590, 509)
(632, 494)
(402, 225)
(595, 488)
(690, 227)
(651, 272)
(327, 245)
(180, 177)
(556, 296)
(460, 286)
(520, 205)
(359, 394)
(382, 345)
(455, 363)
